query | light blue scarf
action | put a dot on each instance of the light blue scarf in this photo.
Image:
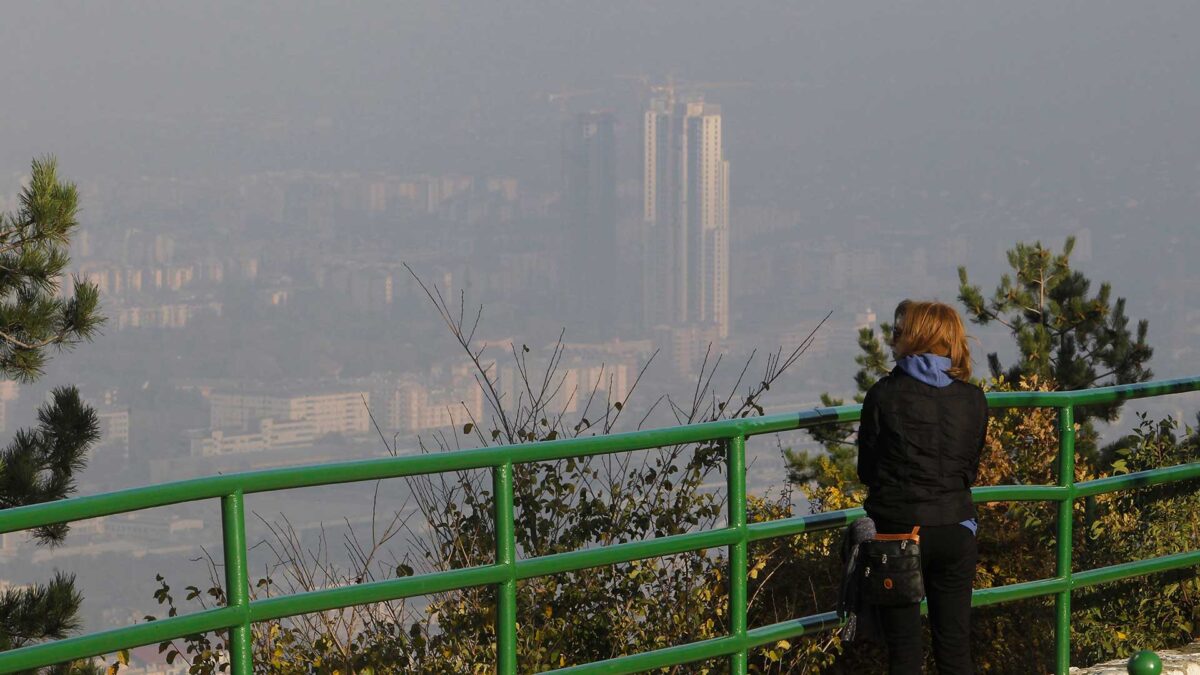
(928, 368)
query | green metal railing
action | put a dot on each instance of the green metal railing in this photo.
(240, 612)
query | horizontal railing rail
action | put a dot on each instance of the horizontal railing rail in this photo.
(241, 612)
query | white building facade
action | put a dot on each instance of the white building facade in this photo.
(685, 215)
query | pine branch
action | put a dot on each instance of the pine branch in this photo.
(41, 465)
(31, 346)
(33, 255)
(39, 612)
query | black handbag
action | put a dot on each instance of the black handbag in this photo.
(891, 569)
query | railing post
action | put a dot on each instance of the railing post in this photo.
(237, 585)
(736, 468)
(1066, 518)
(506, 554)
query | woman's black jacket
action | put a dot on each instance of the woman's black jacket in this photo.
(918, 450)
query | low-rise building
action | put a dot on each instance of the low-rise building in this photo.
(244, 422)
(10, 391)
(114, 426)
(330, 412)
(415, 407)
(168, 315)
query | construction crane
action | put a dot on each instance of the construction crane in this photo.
(562, 97)
(672, 87)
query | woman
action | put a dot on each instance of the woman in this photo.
(919, 441)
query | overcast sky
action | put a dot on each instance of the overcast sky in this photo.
(848, 87)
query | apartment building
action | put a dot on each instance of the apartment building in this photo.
(251, 421)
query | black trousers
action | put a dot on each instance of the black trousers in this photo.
(948, 557)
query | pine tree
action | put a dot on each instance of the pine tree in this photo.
(837, 439)
(1064, 335)
(41, 464)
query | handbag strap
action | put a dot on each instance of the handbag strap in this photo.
(913, 536)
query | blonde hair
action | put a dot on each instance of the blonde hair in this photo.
(935, 328)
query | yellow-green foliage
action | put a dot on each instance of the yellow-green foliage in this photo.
(1016, 543)
(601, 613)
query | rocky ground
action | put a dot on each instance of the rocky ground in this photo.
(1183, 661)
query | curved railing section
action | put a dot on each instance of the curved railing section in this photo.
(240, 612)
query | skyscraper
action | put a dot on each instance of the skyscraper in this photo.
(590, 190)
(685, 215)
(661, 208)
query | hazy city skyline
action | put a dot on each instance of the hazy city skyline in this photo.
(257, 181)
